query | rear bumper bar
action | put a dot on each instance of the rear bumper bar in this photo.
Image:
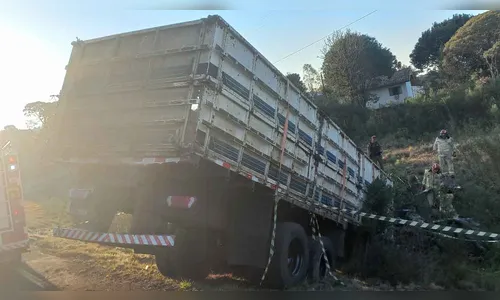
(117, 239)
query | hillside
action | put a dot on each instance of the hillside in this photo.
(451, 264)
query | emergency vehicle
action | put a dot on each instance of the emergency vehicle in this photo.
(13, 231)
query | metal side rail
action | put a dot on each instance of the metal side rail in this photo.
(117, 239)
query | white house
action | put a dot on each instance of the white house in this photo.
(394, 90)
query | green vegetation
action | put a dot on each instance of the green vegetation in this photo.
(461, 94)
(427, 51)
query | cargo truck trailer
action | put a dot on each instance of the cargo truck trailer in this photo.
(196, 134)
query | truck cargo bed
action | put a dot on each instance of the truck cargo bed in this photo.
(199, 88)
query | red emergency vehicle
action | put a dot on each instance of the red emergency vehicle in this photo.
(13, 230)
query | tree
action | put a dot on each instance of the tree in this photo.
(312, 78)
(431, 81)
(39, 113)
(471, 50)
(492, 57)
(297, 81)
(351, 61)
(427, 50)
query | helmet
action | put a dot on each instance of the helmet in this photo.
(443, 132)
(435, 167)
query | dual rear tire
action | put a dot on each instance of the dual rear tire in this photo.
(318, 267)
(290, 263)
(298, 257)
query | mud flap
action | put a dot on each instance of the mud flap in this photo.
(94, 209)
(250, 223)
(191, 246)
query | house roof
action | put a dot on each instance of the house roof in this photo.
(401, 76)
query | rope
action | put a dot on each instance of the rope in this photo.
(316, 235)
(344, 183)
(276, 198)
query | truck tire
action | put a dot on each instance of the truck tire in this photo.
(317, 263)
(291, 256)
(172, 266)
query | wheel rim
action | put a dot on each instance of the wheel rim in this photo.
(295, 257)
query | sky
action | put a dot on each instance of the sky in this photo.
(37, 35)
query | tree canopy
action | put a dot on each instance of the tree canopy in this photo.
(39, 113)
(297, 81)
(427, 50)
(351, 61)
(473, 48)
(312, 78)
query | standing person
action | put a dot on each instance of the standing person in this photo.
(431, 183)
(375, 151)
(434, 185)
(445, 150)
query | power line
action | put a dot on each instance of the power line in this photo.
(295, 52)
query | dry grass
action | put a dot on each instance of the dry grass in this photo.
(417, 157)
(119, 266)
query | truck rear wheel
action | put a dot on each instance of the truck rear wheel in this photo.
(291, 257)
(171, 265)
(317, 264)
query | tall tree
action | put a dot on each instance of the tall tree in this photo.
(427, 50)
(312, 78)
(351, 61)
(39, 113)
(472, 48)
(297, 81)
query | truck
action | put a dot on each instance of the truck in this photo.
(220, 159)
(13, 231)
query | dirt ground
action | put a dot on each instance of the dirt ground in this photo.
(77, 266)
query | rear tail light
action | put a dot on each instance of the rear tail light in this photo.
(18, 216)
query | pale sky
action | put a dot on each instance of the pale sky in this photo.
(36, 35)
